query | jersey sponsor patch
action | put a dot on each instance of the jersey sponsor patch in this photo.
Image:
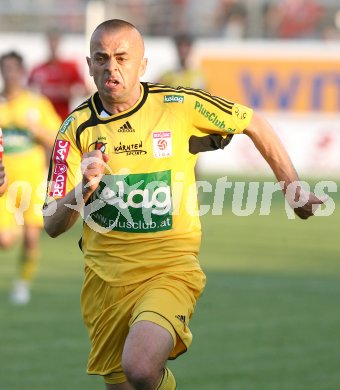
(129, 149)
(211, 116)
(99, 144)
(17, 140)
(66, 124)
(173, 99)
(135, 203)
(162, 144)
(58, 185)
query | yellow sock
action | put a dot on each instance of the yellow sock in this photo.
(167, 381)
(28, 265)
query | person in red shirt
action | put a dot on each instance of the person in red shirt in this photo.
(58, 79)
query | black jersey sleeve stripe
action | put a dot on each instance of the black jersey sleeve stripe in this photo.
(220, 103)
(183, 89)
(81, 106)
(91, 121)
(164, 88)
(223, 101)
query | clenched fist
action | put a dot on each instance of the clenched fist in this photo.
(93, 168)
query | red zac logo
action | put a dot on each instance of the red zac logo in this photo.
(61, 151)
(60, 168)
(58, 186)
(162, 144)
(97, 145)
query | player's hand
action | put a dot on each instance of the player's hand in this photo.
(309, 204)
(93, 168)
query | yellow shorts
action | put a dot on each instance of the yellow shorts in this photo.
(23, 200)
(109, 311)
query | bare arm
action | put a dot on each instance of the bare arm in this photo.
(271, 148)
(63, 217)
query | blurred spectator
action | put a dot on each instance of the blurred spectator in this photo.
(232, 19)
(291, 19)
(29, 124)
(185, 75)
(58, 79)
(271, 20)
(282, 18)
(330, 26)
(329, 33)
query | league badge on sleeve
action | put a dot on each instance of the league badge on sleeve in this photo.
(162, 144)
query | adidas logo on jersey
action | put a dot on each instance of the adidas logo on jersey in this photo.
(126, 128)
(181, 317)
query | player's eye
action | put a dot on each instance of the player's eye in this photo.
(121, 59)
(100, 60)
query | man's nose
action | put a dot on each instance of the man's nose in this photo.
(111, 64)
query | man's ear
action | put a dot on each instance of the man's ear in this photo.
(142, 68)
(89, 64)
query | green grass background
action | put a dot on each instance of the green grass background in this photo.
(269, 318)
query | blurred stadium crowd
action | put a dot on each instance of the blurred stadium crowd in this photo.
(233, 19)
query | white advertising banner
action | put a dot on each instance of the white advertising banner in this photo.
(312, 141)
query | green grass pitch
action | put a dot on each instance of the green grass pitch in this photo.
(269, 318)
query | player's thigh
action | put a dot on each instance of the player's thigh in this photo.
(169, 301)
(147, 346)
(33, 213)
(24, 198)
(9, 229)
(106, 312)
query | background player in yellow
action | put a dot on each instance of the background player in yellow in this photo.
(185, 74)
(119, 161)
(3, 179)
(29, 124)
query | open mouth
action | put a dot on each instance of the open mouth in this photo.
(111, 83)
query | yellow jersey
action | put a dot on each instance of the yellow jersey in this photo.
(24, 158)
(14, 117)
(143, 218)
(193, 78)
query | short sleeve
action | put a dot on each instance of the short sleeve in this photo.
(212, 114)
(65, 164)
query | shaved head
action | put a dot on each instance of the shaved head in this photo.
(114, 25)
(116, 63)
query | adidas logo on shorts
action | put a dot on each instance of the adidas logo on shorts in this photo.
(181, 317)
(126, 128)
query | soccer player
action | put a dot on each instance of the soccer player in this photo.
(58, 79)
(124, 160)
(29, 125)
(184, 75)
